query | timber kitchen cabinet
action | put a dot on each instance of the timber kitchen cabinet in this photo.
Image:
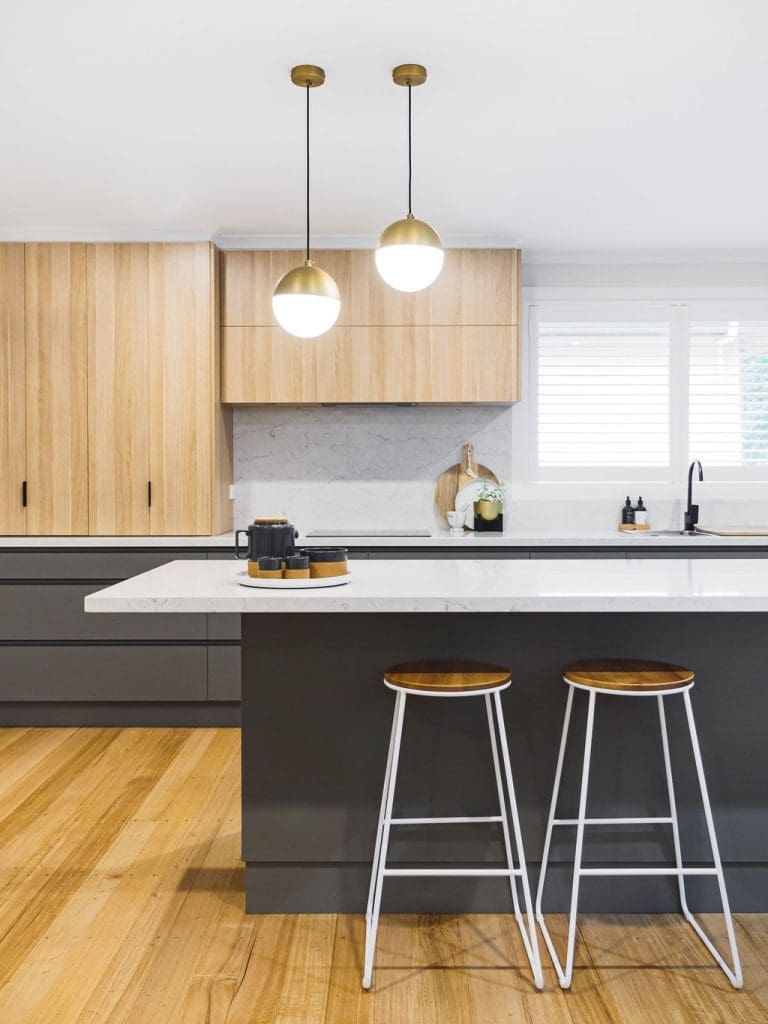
(190, 448)
(13, 427)
(56, 388)
(159, 444)
(454, 342)
(109, 391)
(118, 389)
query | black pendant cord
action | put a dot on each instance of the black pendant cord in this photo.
(307, 172)
(410, 148)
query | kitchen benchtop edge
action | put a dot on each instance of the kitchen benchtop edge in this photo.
(511, 539)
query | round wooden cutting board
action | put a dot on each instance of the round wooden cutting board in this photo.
(453, 479)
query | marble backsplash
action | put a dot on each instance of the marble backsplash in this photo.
(358, 466)
(376, 466)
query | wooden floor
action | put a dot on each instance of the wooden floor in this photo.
(122, 902)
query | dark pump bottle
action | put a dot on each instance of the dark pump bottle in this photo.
(628, 512)
(641, 513)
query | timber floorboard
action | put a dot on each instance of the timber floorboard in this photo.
(121, 902)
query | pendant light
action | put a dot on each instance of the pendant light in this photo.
(410, 255)
(306, 300)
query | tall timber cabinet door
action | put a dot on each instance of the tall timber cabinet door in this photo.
(182, 380)
(13, 444)
(56, 398)
(118, 389)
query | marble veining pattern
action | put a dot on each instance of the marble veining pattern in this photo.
(361, 466)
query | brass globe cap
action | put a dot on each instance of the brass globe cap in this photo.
(307, 280)
(410, 231)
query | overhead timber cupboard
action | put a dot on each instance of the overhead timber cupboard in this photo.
(454, 342)
(316, 718)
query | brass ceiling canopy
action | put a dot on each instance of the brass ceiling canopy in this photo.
(409, 74)
(307, 76)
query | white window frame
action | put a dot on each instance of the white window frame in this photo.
(680, 314)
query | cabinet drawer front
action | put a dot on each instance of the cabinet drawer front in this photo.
(224, 627)
(44, 612)
(224, 672)
(103, 674)
(84, 565)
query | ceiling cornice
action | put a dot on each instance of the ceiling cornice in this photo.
(231, 240)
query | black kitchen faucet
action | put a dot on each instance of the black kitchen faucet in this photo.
(691, 510)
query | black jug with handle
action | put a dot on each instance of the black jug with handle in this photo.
(276, 537)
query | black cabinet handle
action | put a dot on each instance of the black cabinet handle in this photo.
(149, 493)
(24, 494)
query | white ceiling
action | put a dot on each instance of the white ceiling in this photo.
(601, 126)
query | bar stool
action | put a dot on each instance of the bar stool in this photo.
(452, 679)
(624, 678)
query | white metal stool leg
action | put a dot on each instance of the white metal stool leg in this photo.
(382, 840)
(673, 809)
(527, 933)
(565, 974)
(734, 975)
(550, 829)
(502, 803)
(380, 828)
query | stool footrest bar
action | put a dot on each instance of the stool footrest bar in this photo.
(452, 872)
(443, 821)
(647, 871)
(614, 821)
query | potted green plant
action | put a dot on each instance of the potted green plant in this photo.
(489, 503)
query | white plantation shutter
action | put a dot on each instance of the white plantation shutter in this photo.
(603, 396)
(728, 393)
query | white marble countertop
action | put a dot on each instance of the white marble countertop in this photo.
(439, 539)
(460, 585)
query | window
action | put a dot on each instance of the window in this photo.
(637, 390)
(603, 394)
(728, 394)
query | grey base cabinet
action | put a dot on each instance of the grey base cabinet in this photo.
(61, 666)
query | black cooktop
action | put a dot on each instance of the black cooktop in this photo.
(369, 533)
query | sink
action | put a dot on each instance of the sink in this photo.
(675, 533)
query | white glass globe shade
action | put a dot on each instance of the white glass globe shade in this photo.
(409, 268)
(410, 255)
(306, 301)
(305, 316)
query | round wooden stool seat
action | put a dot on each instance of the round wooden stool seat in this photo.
(627, 674)
(447, 676)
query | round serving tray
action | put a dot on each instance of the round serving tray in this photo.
(327, 581)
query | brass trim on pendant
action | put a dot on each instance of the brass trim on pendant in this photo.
(307, 280)
(410, 231)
